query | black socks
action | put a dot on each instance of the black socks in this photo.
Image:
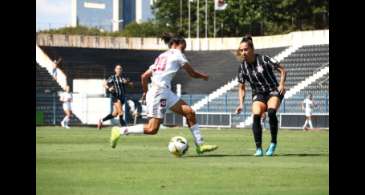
(257, 130)
(273, 120)
(108, 117)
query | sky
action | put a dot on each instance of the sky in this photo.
(52, 13)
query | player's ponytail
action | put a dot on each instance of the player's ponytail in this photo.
(248, 39)
(171, 39)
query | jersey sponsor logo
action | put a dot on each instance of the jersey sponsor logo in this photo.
(260, 69)
(163, 102)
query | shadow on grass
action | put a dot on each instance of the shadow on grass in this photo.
(301, 155)
(249, 155)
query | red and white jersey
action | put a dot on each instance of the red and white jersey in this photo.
(165, 67)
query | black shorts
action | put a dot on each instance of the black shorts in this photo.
(264, 97)
(115, 99)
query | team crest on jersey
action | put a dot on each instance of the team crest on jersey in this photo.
(163, 102)
(255, 97)
(260, 69)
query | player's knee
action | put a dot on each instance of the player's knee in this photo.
(152, 130)
(190, 113)
(271, 113)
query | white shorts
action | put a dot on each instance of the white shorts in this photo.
(308, 113)
(158, 101)
(66, 106)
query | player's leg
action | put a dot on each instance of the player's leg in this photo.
(108, 117)
(258, 107)
(64, 119)
(63, 122)
(151, 128)
(68, 119)
(310, 121)
(305, 123)
(182, 108)
(156, 114)
(273, 105)
(119, 111)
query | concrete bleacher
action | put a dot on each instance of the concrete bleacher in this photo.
(304, 62)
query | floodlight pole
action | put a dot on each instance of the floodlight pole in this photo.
(197, 25)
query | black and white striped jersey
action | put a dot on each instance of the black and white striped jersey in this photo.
(118, 84)
(260, 74)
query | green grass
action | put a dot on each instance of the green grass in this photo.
(80, 161)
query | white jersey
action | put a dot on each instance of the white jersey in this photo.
(308, 105)
(66, 98)
(165, 67)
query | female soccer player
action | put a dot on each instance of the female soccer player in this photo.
(267, 93)
(307, 106)
(159, 97)
(115, 85)
(66, 98)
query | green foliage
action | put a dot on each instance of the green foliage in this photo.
(257, 17)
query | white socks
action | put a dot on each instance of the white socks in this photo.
(66, 120)
(305, 124)
(135, 129)
(310, 124)
(196, 134)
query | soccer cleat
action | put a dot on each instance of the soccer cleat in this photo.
(114, 137)
(100, 124)
(270, 151)
(259, 152)
(67, 127)
(200, 149)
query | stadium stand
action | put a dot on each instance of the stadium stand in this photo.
(220, 65)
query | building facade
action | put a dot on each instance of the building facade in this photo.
(110, 15)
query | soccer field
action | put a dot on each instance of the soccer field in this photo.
(81, 161)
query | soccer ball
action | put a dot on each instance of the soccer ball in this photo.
(178, 146)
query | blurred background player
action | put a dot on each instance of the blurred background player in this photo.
(66, 98)
(134, 108)
(267, 93)
(307, 107)
(115, 86)
(159, 97)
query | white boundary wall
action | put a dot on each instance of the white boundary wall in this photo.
(290, 39)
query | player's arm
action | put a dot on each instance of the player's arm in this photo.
(241, 97)
(105, 84)
(283, 74)
(193, 73)
(128, 82)
(144, 79)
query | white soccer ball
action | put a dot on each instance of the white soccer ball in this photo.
(178, 146)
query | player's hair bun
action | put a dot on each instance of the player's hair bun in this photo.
(166, 37)
(246, 38)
